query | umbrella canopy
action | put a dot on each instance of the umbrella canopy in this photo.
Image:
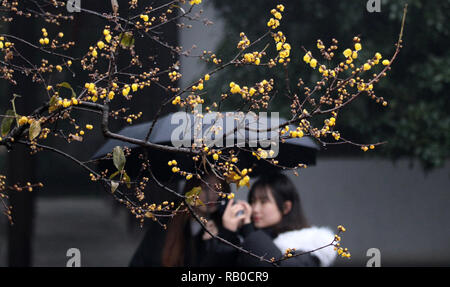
(182, 129)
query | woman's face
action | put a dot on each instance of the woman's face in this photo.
(265, 212)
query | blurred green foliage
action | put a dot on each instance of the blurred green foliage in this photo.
(416, 123)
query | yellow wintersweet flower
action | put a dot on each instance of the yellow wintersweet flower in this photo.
(385, 62)
(367, 67)
(144, 17)
(279, 46)
(235, 88)
(101, 45)
(313, 63)
(284, 54)
(89, 127)
(307, 58)
(126, 91)
(23, 120)
(347, 53)
(176, 100)
(358, 46)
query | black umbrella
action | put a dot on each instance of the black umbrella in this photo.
(182, 128)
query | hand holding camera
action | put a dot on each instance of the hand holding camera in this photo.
(236, 214)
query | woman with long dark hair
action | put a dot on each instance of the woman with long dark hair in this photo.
(184, 243)
(274, 221)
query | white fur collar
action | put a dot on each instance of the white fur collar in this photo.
(308, 239)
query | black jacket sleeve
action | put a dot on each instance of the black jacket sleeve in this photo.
(219, 253)
(260, 243)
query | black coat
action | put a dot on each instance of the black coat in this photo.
(264, 242)
(198, 252)
(213, 253)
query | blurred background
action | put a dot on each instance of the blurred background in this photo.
(394, 198)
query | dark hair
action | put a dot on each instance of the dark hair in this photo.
(282, 190)
(177, 231)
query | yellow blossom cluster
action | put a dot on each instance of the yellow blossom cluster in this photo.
(330, 122)
(234, 88)
(23, 120)
(285, 50)
(365, 148)
(1, 42)
(65, 103)
(44, 40)
(283, 47)
(199, 86)
(274, 22)
(176, 101)
(173, 164)
(244, 42)
(132, 117)
(107, 35)
(126, 90)
(240, 178)
(262, 87)
(215, 59)
(343, 252)
(195, 2)
(289, 252)
(191, 100)
(298, 133)
(336, 135)
(326, 72)
(254, 57)
(308, 58)
(92, 91)
(144, 17)
(260, 153)
(174, 76)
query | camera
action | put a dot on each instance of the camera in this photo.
(223, 204)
